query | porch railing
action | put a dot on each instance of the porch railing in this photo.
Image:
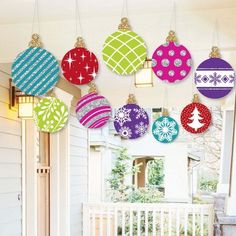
(138, 219)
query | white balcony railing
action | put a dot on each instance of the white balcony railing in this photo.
(137, 219)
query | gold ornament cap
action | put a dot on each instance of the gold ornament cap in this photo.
(124, 25)
(171, 37)
(35, 41)
(51, 93)
(165, 112)
(196, 98)
(80, 43)
(92, 88)
(131, 99)
(215, 52)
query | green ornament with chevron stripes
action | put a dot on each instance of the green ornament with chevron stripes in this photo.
(124, 52)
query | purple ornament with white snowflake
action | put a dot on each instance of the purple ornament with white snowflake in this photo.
(214, 78)
(131, 121)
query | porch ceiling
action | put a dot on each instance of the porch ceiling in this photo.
(63, 9)
(150, 19)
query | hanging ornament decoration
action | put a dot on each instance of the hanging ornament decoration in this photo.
(165, 129)
(124, 52)
(35, 71)
(171, 61)
(195, 117)
(79, 65)
(93, 110)
(131, 121)
(214, 77)
(50, 114)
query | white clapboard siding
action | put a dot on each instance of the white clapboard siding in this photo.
(10, 165)
(78, 174)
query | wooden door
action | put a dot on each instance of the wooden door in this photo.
(43, 184)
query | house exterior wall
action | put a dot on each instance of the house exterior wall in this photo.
(226, 151)
(103, 147)
(78, 173)
(175, 164)
(95, 176)
(10, 165)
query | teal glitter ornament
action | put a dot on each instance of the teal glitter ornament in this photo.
(165, 129)
(35, 71)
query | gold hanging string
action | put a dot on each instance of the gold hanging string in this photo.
(92, 88)
(124, 25)
(36, 17)
(124, 12)
(35, 41)
(165, 102)
(194, 90)
(215, 52)
(215, 34)
(78, 26)
(131, 99)
(171, 37)
(196, 98)
(80, 43)
(173, 17)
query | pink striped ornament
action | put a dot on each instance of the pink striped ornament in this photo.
(93, 111)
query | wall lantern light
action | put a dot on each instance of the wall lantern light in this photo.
(25, 103)
(144, 77)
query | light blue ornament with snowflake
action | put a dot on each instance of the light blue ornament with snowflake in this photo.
(165, 129)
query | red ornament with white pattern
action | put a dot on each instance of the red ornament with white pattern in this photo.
(79, 65)
(195, 117)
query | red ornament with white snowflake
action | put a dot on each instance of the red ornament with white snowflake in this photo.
(195, 117)
(79, 65)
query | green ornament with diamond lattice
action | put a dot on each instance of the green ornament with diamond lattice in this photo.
(50, 114)
(124, 52)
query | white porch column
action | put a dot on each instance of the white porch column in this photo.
(227, 134)
(29, 155)
(107, 166)
(231, 201)
(95, 175)
(60, 182)
(176, 173)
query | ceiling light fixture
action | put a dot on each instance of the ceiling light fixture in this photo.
(144, 77)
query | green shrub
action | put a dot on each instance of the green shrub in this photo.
(145, 195)
(208, 185)
(156, 173)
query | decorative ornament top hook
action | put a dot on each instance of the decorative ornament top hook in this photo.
(171, 37)
(80, 43)
(92, 88)
(51, 93)
(35, 41)
(215, 52)
(124, 25)
(131, 99)
(195, 98)
(165, 112)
